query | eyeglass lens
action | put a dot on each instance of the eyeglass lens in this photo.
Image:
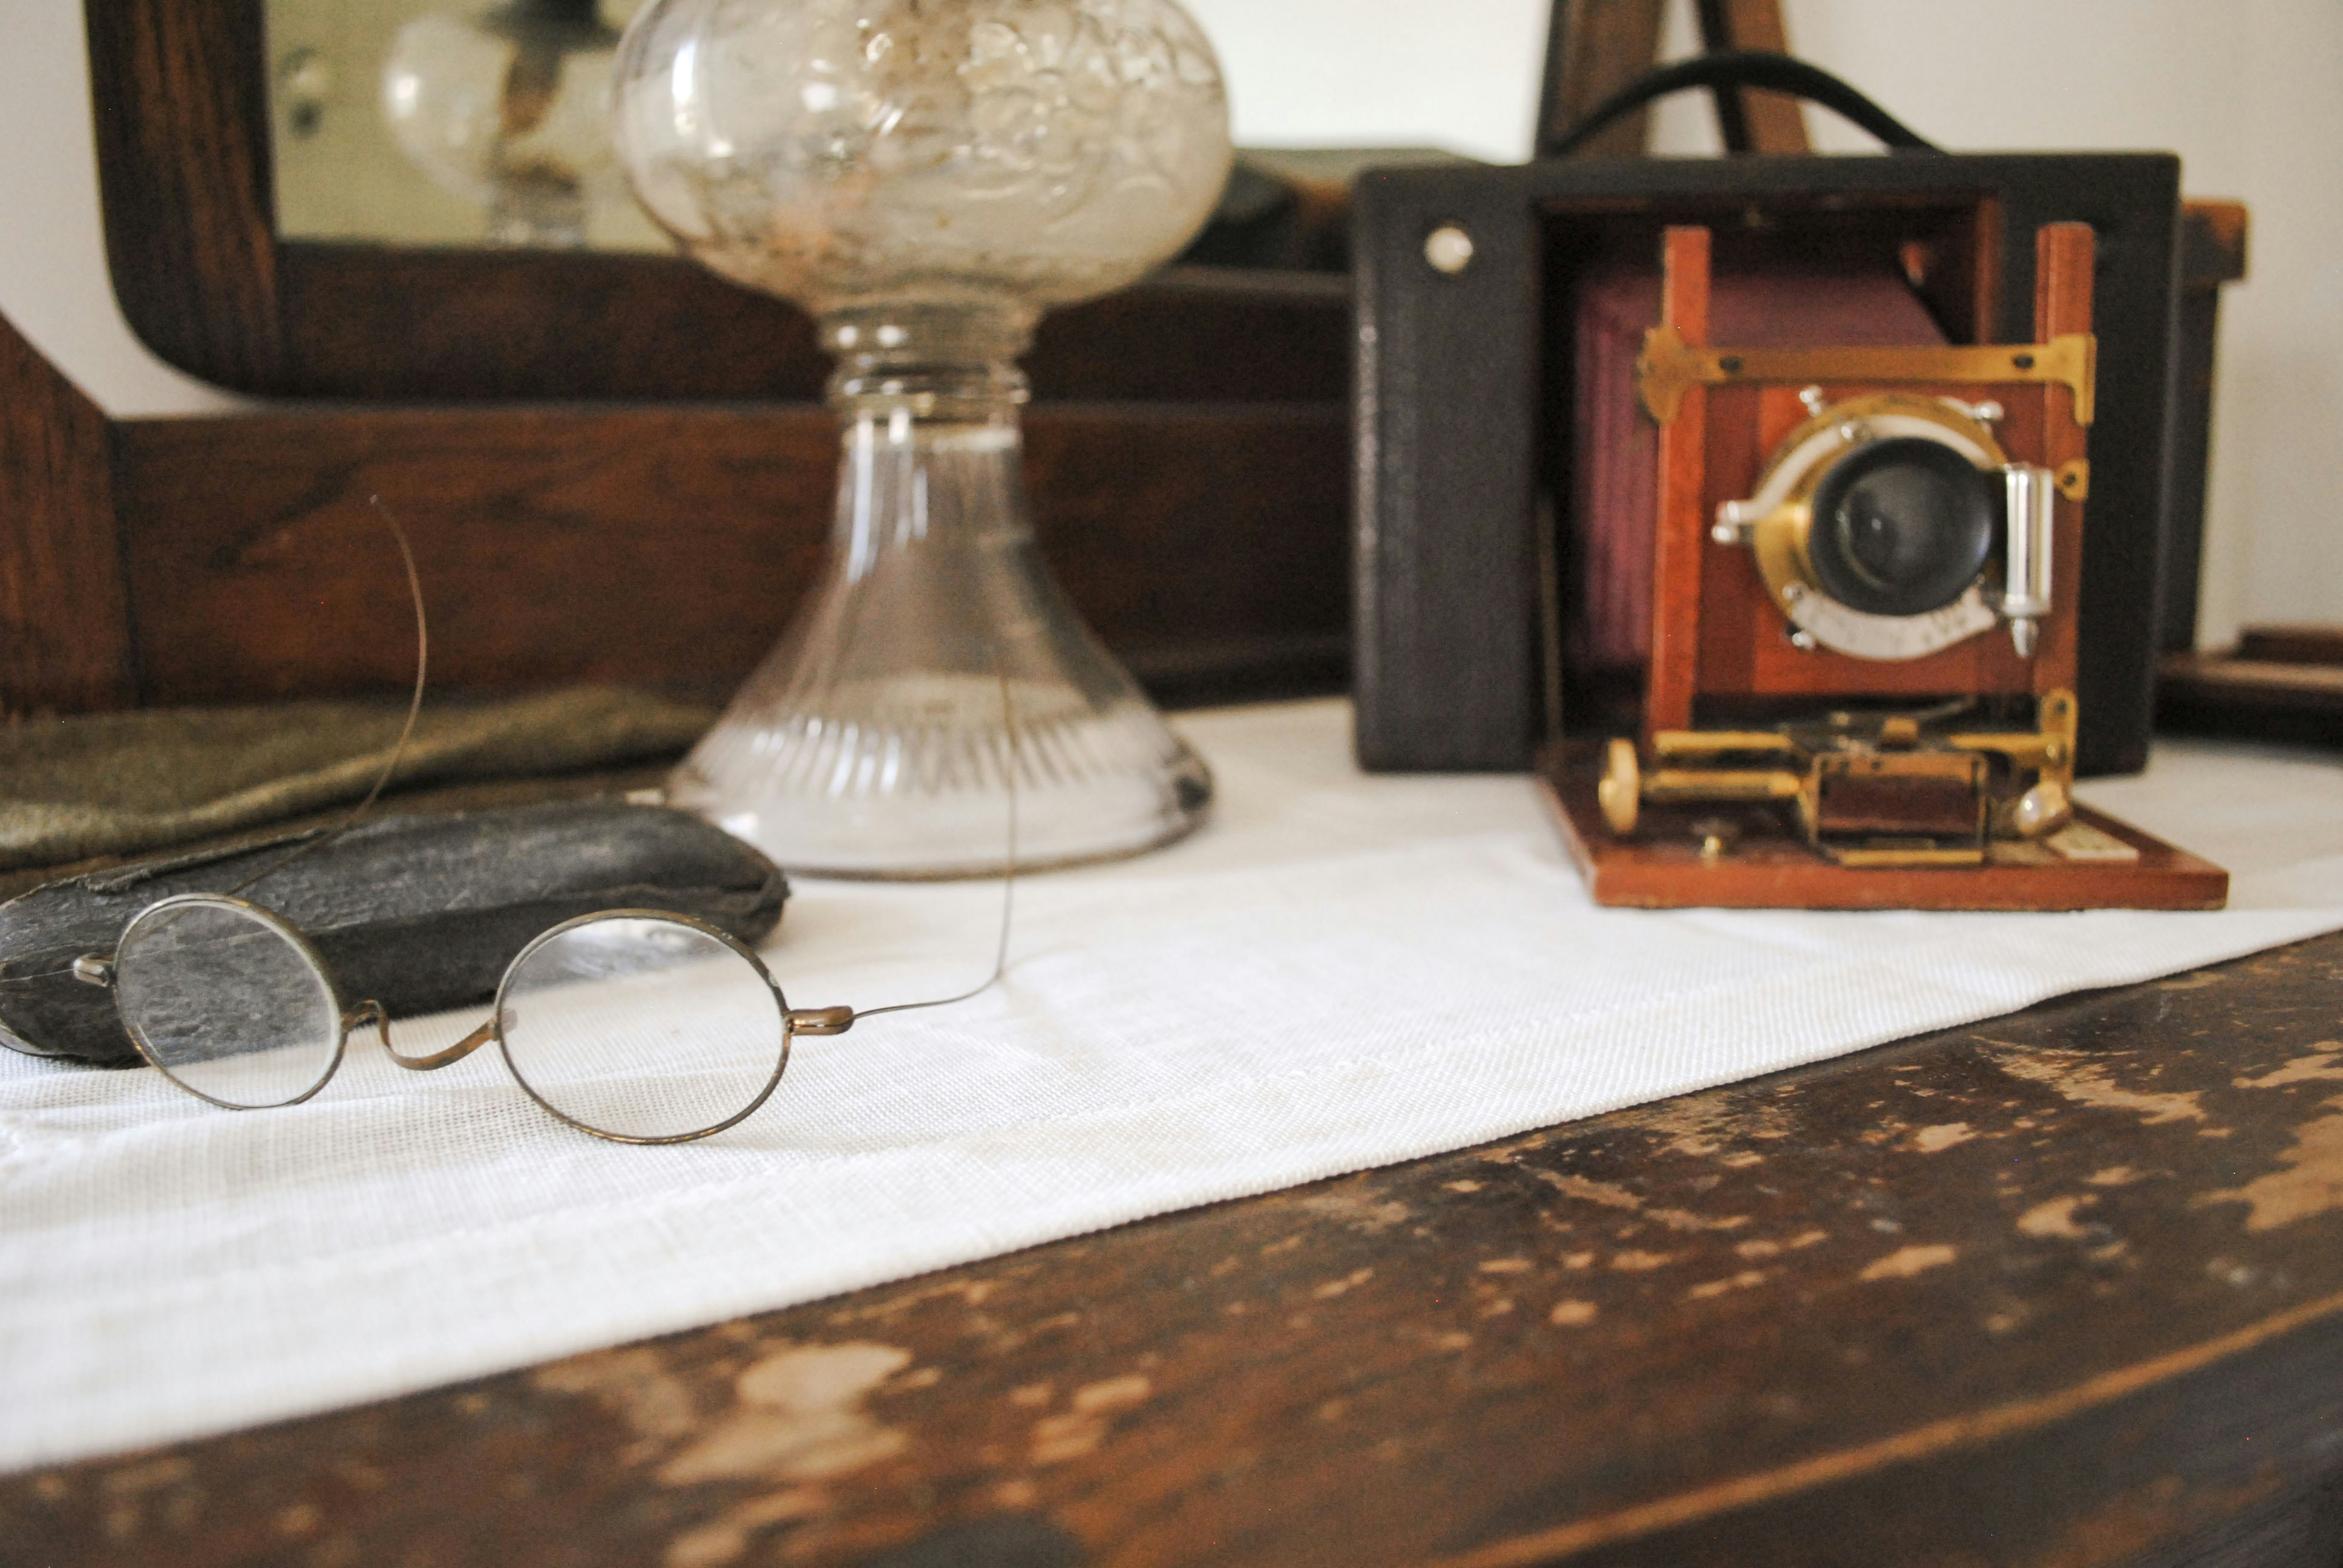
(641, 1027)
(227, 1003)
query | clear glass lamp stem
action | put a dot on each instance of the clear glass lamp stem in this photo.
(874, 741)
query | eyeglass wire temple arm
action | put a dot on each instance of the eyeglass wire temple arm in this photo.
(1008, 877)
(407, 731)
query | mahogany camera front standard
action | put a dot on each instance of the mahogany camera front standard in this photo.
(1793, 600)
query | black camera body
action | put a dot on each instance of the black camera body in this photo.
(1497, 598)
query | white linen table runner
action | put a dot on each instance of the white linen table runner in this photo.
(1341, 972)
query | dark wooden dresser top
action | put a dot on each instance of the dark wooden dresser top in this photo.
(2064, 1288)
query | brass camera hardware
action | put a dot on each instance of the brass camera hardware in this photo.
(1669, 365)
(2048, 803)
(1900, 808)
(1891, 794)
(1777, 520)
(2029, 509)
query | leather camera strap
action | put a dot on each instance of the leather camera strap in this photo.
(1732, 69)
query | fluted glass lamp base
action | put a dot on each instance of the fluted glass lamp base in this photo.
(935, 661)
(910, 778)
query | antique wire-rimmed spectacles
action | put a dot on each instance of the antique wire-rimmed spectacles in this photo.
(637, 1026)
(634, 1025)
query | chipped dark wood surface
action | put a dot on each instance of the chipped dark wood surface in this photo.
(2064, 1288)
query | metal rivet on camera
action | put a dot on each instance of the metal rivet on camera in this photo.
(1803, 639)
(1448, 248)
(1813, 398)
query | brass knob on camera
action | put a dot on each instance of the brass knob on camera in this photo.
(2041, 811)
(1621, 791)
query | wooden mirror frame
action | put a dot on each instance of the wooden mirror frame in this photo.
(1189, 456)
(183, 128)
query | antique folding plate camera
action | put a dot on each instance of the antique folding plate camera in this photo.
(1859, 678)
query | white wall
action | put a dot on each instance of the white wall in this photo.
(2249, 93)
(53, 283)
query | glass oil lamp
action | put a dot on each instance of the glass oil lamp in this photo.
(926, 179)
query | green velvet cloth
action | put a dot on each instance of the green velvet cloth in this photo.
(124, 783)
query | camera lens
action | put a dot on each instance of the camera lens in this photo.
(1901, 527)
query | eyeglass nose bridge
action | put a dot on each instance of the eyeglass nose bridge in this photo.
(802, 1021)
(364, 1014)
(455, 1053)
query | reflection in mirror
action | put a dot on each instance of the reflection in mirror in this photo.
(468, 123)
(449, 123)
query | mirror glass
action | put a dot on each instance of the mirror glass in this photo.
(447, 123)
(465, 123)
